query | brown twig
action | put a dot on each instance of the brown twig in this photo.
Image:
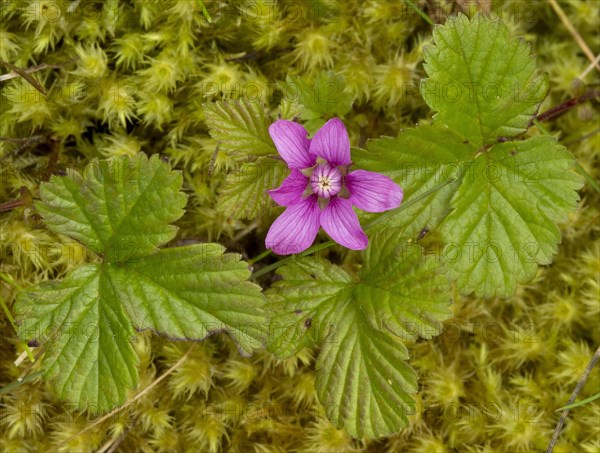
(12, 75)
(52, 159)
(578, 387)
(26, 76)
(10, 205)
(563, 108)
(25, 199)
(21, 140)
(112, 445)
(27, 142)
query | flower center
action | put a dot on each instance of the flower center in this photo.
(326, 180)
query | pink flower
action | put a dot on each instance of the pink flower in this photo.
(319, 191)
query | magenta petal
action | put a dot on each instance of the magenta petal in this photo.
(331, 142)
(291, 189)
(292, 143)
(296, 229)
(373, 192)
(341, 223)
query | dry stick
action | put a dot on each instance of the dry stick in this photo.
(52, 159)
(569, 26)
(25, 199)
(563, 108)
(112, 445)
(578, 387)
(25, 75)
(23, 140)
(13, 74)
(590, 67)
(213, 160)
(133, 400)
(25, 143)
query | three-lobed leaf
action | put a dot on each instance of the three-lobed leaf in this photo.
(363, 380)
(121, 210)
(498, 218)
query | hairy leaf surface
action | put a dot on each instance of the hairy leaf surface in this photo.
(108, 206)
(498, 217)
(240, 127)
(121, 209)
(244, 193)
(363, 379)
(482, 83)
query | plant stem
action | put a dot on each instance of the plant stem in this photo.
(578, 388)
(13, 385)
(579, 403)
(260, 257)
(421, 13)
(542, 129)
(205, 12)
(569, 26)
(12, 322)
(377, 221)
(563, 108)
(127, 403)
(10, 316)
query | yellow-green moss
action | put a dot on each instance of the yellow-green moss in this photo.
(126, 77)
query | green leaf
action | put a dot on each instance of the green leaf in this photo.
(88, 318)
(418, 160)
(504, 216)
(309, 288)
(322, 99)
(192, 292)
(89, 351)
(583, 402)
(240, 127)
(363, 380)
(244, 194)
(497, 221)
(482, 83)
(108, 207)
